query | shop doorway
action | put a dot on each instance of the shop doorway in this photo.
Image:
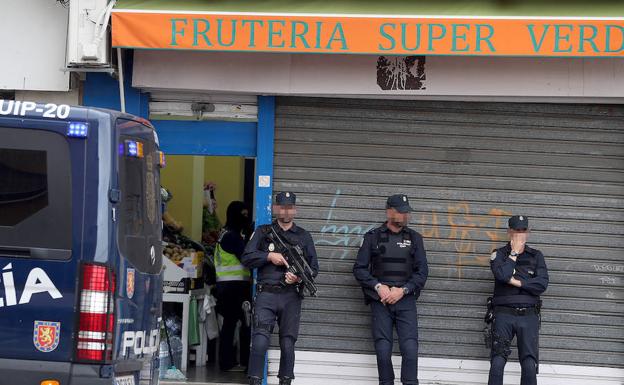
(199, 190)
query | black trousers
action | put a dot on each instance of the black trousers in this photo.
(230, 297)
(526, 329)
(269, 307)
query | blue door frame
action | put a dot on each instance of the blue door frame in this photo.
(247, 139)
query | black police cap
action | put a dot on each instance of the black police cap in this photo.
(399, 202)
(519, 222)
(285, 198)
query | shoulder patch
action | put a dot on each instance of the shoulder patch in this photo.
(493, 256)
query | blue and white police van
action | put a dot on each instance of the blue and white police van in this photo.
(80, 246)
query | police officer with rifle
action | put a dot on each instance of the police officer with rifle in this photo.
(287, 264)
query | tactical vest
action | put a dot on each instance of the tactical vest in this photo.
(393, 269)
(526, 267)
(227, 266)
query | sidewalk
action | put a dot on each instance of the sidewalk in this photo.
(209, 375)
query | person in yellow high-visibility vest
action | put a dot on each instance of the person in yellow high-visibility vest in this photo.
(233, 286)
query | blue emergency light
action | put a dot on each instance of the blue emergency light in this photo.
(78, 129)
(134, 148)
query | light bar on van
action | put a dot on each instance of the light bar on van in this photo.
(162, 162)
(134, 148)
(77, 129)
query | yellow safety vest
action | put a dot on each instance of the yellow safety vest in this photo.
(228, 267)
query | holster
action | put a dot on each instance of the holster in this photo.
(487, 336)
(489, 313)
(488, 319)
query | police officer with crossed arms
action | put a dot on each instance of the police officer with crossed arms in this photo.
(278, 291)
(391, 267)
(521, 276)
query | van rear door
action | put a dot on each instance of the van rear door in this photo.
(139, 240)
(41, 180)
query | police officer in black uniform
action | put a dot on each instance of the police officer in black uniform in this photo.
(521, 276)
(392, 268)
(275, 300)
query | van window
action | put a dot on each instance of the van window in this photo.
(24, 189)
(140, 226)
(35, 194)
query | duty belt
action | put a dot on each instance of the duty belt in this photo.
(275, 288)
(516, 310)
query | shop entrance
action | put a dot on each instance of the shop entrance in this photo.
(198, 190)
(217, 147)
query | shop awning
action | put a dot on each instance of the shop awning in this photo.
(392, 27)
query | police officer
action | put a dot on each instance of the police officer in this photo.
(233, 286)
(277, 300)
(392, 268)
(520, 277)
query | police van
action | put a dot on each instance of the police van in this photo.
(80, 246)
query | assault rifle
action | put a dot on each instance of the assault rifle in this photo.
(297, 263)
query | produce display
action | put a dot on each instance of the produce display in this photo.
(183, 251)
(193, 257)
(176, 252)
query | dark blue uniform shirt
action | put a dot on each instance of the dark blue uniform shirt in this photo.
(529, 268)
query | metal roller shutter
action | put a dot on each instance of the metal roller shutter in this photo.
(466, 167)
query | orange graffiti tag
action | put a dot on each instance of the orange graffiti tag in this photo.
(464, 230)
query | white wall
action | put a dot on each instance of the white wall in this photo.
(34, 34)
(72, 97)
(487, 78)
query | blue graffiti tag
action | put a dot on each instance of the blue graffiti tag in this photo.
(343, 235)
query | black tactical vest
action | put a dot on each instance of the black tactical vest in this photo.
(526, 267)
(392, 261)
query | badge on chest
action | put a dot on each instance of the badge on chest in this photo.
(404, 243)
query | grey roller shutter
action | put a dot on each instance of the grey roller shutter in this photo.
(466, 167)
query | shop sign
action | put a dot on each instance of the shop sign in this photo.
(385, 35)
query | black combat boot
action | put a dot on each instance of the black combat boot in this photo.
(255, 381)
(285, 381)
